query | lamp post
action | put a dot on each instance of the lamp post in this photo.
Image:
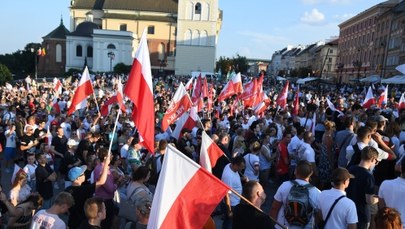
(35, 62)
(111, 55)
(357, 64)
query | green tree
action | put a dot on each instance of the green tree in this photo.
(226, 64)
(5, 74)
(121, 68)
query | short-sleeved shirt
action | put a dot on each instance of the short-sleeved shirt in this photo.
(232, 179)
(80, 195)
(45, 220)
(344, 212)
(282, 194)
(362, 184)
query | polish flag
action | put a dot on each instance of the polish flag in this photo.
(178, 106)
(237, 83)
(187, 121)
(296, 102)
(333, 108)
(210, 152)
(401, 104)
(262, 106)
(282, 98)
(55, 105)
(114, 100)
(204, 88)
(383, 97)
(197, 90)
(57, 86)
(83, 90)
(184, 202)
(369, 100)
(139, 90)
(226, 92)
(189, 84)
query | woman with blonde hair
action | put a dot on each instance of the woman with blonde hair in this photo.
(20, 190)
(326, 157)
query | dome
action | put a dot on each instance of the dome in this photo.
(85, 29)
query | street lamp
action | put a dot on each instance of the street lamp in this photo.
(111, 55)
(35, 61)
(358, 64)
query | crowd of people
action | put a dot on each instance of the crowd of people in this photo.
(348, 160)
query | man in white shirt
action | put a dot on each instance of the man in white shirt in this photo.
(230, 176)
(344, 214)
(48, 218)
(303, 173)
(392, 192)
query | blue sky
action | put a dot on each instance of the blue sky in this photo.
(254, 28)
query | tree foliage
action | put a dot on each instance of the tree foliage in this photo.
(5, 74)
(122, 68)
(22, 62)
(237, 64)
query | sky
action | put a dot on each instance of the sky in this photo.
(254, 28)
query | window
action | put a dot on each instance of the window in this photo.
(151, 29)
(110, 46)
(197, 8)
(58, 54)
(89, 51)
(123, 27)
(79, 50)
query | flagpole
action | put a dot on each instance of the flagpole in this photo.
(95, 100)
(260, 210)
(115, 127)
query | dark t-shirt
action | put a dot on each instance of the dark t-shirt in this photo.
(86, 225)
(246, 216)
(80, 195)
(44, 186)
(25, 141)
(358, 188)
(60, 144)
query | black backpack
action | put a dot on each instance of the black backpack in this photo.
(298, 209)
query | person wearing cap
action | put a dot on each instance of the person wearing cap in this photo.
(344, 214)
(392, 192)
(69, 160)
(303, 173)
(82, 192)
(361, 188)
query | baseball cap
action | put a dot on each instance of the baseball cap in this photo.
(340, 175)
(76, 172)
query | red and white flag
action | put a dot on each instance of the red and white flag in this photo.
(237, 83)
(178, 106)
(234, 86)
(369, 100)
(401, 104)
(189, 84)
(114, 100)
(83, 90)
(383, 97)
(262, 106)
(187, 121)
(282, 97)
(57, 86)
(120, 96)
(184, 202)
(139, 89)
(333, 108)
(209, 153)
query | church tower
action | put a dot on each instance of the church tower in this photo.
(198, 26)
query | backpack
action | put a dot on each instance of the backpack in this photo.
(151, 164)
(298, 210)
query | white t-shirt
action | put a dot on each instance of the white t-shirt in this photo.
(343, 213)
(11, 140)
(30, 171)
(305, 152)
(282, 194)
(45, 220)
(392, 191)
(232, 179)
(251, 161)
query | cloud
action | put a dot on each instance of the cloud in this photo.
(314, 17)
